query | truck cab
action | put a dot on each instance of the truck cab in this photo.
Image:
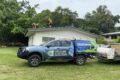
(59, 50)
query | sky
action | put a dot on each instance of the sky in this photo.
(80, 6)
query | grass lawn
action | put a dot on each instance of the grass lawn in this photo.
(13, 68)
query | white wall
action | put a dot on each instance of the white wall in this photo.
(37, 37)
(31, 39)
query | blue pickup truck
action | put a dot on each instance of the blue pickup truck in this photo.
(59, 50)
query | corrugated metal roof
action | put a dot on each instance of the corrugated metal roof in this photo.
(32, 31)
(113, 33)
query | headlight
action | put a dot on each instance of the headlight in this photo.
(24, 49)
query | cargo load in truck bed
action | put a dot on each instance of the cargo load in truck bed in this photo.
(109, 53)
(117, 49)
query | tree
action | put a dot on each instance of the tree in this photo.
(63, 17)
(15, 18)
(101, 20)
(42, 18)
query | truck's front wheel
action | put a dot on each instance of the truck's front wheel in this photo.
(80, 60)
(34, 60)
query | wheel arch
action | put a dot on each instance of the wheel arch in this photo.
(37, 53)
(81, 55)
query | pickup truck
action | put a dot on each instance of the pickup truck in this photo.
(59, 50)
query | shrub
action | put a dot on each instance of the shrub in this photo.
(101, 40)
(118, 40)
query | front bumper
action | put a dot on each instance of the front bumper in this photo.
(22, 54)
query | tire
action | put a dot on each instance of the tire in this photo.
(80, 60)
(34, 60)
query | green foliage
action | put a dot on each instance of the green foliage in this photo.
(118, 40)
(101, 40)
(63, 17)
(42, 18)
(16, 17)
(101, 20)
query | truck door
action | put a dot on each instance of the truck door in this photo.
(66, 49)
(52, 48)
(60, 50)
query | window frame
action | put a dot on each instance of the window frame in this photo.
(47, 39)
(61, 44)
(58, 44)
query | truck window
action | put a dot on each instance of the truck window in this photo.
(65, 43)
(53, 44)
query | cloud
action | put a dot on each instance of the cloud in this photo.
(81, 6)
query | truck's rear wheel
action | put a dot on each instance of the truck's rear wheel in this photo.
(80, 60)
(34, 60)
